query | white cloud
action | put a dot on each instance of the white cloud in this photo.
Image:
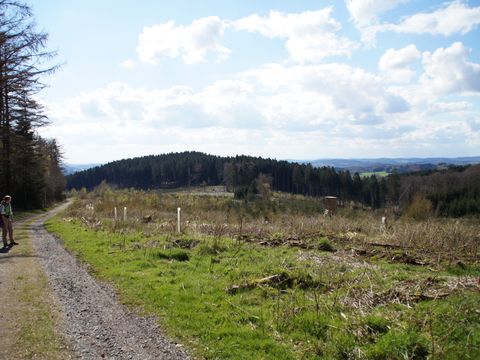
(125, 121)
(448, 131)
(397, 59)
(338, 100)
(128, 64)
(310, 36)
(230, 103)
(192, 43)
(365, 15)
(326, 94)
(448, 71)
(302, 111)
(224, 103)
(441, 107)
(280, 25)
(224, 94)
(396, 65)
(454, 18)
(365, 12)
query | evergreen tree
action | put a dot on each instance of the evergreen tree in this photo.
(26, 161)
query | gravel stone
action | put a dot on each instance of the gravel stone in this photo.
(95, 324)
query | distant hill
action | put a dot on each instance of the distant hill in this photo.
(246, 176)
(69, 169)
(445, 189)
(402, 165)
(175, 170)
(375, 165)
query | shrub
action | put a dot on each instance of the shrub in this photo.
(420, 208)
(325, 245)
(377, 324)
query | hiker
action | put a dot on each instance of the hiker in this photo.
(7, 218)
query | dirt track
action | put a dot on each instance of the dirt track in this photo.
(95, 325)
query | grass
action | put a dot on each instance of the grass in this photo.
(185, 289)
(37, 336)
(32, 321)
(257, 282)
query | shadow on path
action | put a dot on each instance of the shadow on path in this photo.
(8, 257)
(5, 250)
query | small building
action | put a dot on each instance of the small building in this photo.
(331, 204)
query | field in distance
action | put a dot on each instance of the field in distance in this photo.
(376, 173)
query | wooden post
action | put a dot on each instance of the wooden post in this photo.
(115, 213)
(179, 229)
(124, 213)
(331, 204)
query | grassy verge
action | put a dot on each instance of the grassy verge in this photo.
(31, 319)
(229, 299)
(37, 337)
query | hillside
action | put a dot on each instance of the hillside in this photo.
(69, 169)
(401, 165)
(245, 175)
(249, 177)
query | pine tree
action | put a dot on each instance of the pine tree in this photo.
(24, 172)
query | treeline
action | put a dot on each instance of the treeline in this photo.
(245, 175)
(30, 166)
(451, 192)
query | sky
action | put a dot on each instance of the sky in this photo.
(285, 79)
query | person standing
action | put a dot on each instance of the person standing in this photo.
(7, 217)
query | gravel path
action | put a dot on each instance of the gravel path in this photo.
(95, 324)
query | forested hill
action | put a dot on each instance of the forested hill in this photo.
(185, 169)
(452, 192)
(245, 175)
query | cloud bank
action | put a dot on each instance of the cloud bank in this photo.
(314, 101)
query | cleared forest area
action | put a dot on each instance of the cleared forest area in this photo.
(274, 278)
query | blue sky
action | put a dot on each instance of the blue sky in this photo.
(281, 79)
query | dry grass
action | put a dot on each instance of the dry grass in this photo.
(285, 219)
